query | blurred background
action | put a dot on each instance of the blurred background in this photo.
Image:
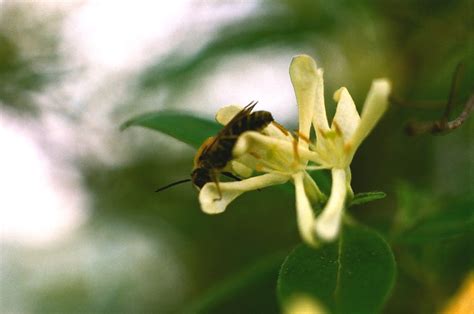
(81, 229)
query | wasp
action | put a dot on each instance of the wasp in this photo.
(216, 151)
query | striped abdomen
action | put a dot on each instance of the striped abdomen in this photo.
(255, 121)
(222, 153)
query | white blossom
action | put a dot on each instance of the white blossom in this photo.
(280, 157)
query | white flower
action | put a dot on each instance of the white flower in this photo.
(282, 158)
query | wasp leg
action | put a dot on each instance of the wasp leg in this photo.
(281, 128)
(215, 179)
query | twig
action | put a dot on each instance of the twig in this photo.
(421, 104)
(443, 125)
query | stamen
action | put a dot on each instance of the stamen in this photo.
(338, 129)
(302, 136)
(347, 147)
(339, 140)
(322, 132)
(296, 154)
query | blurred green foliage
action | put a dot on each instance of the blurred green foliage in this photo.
(29, 55)
(417, 44)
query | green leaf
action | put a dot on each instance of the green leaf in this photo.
(443, 225)
(352, 275)
(362, 198)
(323, 180)
(182, 126)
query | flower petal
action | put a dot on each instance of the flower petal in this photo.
(346, 117)
(375, 105)
(240, 169)
(225, 114)
(350, 192)
(304, 212)
(307, 82)
(303, 304)
(328, 223)
(211, 203)
(256, 143)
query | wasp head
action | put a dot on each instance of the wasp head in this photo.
(200, 176)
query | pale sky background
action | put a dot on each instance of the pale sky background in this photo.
(42, 196)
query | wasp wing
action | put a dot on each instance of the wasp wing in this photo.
(242, 113)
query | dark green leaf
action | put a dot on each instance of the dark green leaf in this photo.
(182, 126)
(414, 203)
(362, 198)
(443, 225)
(352, 275)
(323, 180)
(237, 292)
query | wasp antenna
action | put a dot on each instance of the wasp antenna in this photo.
(172, 184)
